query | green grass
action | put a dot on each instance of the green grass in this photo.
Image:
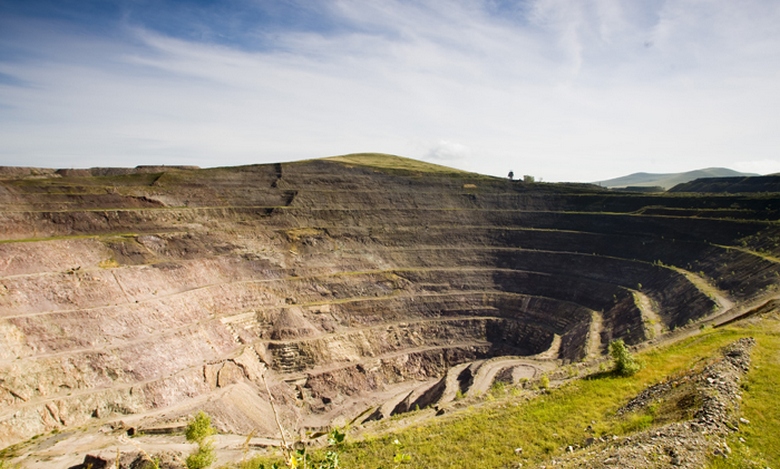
(760, 405)
(486, 435)
(392, 162)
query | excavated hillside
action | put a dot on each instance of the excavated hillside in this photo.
(734, 185)
(350, 288)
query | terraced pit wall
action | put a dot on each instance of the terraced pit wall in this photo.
(156, 291)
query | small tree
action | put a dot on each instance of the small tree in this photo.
(544, 382)
(202, 457)
(199, 431)
(625, 364)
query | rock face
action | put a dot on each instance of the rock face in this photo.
(159, 290)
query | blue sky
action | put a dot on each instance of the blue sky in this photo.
(577, 90)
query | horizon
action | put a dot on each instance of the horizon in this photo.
(578, 92)
(516, 175)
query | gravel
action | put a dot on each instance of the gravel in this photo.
(712, 397)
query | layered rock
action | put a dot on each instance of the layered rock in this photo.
(159, 290)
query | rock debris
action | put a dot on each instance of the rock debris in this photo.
(713, 395)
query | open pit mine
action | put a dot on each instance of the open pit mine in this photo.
(346, 289)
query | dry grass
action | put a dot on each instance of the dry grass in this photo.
(392, 162)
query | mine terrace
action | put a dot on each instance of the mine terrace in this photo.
(351, 288)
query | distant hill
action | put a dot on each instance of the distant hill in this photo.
(668, 180)
(731, 185)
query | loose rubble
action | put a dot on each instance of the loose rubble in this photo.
(133, 460)
(714, 394)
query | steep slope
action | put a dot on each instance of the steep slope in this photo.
(339, 282)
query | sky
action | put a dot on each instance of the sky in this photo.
(563, 90)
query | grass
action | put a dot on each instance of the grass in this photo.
(69, 237)
(297, 234)
(87, 184)
(760, 405)
(486, 435)
(392, 162)
(110, 263)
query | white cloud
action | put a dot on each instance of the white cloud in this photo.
(564, 91)
(447, 151)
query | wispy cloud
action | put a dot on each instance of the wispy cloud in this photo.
(447, 151)
(563, 90)
(10, 80)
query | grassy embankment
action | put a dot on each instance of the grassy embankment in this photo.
(487, 434)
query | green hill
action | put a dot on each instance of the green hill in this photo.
(668, 180)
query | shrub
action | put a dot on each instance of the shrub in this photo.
(202, 457)
(498, 388)
(544, 382)
(199, 428)
(625, 364)
(198, 431)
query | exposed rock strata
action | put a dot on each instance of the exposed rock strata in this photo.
(159, 290)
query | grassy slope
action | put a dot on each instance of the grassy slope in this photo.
(392, 162)
(760, 405)
(420, 169)
(486, 435)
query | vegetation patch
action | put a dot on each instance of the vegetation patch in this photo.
(625, 364)
(298, 234)
(108, 263)
(757, 443)
(392, 162)
(199, 431)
